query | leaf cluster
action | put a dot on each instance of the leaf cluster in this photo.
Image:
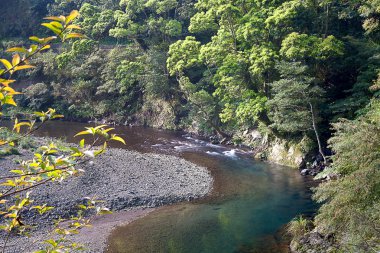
(50, 163)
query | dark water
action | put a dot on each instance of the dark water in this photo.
(246, 212)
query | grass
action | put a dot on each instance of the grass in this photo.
(299, 226)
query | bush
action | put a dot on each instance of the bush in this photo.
(298, 227)
(351, 204)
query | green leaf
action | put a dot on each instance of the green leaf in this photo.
(24, 67)
(74, 35)
(107, 130)
(6, 63)
(82, 207)
(57, 25)
(39, 114)
(53, 28)
(72, 16)
(19, 172)
(9, 183)
(74, 27)
(99, 152)
(81, 143)
(32, 49)
(6, 82)
(10, 91)
(52, 242)
(16, 59)
(57, 116)
(17, 49)
(83, 133)
(117, 138)
(35, 39)
(17, 126)
(42, 40)
(45, 47)
(10, 101)
(100, 126)
(59, 19)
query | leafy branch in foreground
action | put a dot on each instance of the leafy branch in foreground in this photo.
(50, 163)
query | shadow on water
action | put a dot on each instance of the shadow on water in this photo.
(247, 210)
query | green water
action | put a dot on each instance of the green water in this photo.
(250, 203)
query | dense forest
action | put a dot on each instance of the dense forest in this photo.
(264, 73)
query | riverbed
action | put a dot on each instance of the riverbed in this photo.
(246, 211)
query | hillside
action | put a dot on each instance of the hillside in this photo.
(297, 81)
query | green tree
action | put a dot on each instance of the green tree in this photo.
(94, 21)
(295, 102)
(49, 163)
(148, 22)
(350, 203)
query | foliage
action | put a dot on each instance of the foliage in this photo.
(22, 143)
(94, 21)
(183, 54)
(238, 60)
(293, 94)
(300, 46)
(217, 67)
(50, 163)
(158, 25)
(350, 207)
(298, 227)
(228, 49)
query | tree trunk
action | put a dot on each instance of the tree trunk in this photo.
(316, 132)
(218, 130)
(208, 120)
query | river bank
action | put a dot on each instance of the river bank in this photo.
(125, 180)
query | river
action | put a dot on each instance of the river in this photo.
(247, 210)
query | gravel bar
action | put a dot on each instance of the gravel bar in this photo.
(125, 180)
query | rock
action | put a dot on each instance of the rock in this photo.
(214, 139)
(302, 165)
(305, 172)
(316, 166)
(313, 242)
(314, 173)
(315, 239)
(256, 135)
(123, 179)
(260, 156)
(319, 158)
(284, 153)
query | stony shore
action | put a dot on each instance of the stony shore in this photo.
(132, 184)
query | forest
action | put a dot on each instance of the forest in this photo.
(302, 74)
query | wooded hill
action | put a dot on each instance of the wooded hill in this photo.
(289, 69)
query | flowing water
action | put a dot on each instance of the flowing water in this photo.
(250, 203)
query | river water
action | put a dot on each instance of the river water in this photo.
(247, 210)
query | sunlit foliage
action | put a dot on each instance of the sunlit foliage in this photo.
(50, 163)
